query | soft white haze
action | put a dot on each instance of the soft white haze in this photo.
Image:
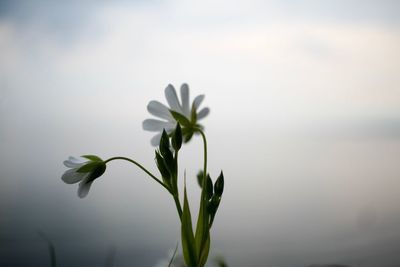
(305, 123)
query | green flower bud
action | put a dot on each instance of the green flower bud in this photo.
(164, 144)
(212, 207)
(162, 168)
(177, 138)
(219, 185)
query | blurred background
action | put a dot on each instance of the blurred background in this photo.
(305, 123)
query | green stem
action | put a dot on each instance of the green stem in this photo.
(141, 167)
(205, 162)
(176, 191)
(178, 206)
(203, 201)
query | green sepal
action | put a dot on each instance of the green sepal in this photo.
(180, 118)
(94, 168)
(164, 144)
(193, 115)
(200, 176)
(89, 167)
(92, 157)
(219, 185)
(209, 185)
(188, 136)
(170, 162)
(98, 171)
(162, 168)
(166, 153)
(212, 208)
(176, 139)
(188, 241)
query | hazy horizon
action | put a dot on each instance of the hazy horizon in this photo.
(304, 122)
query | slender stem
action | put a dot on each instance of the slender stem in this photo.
(176, 190)
(141, 167)
(203, 199)
(178, 206)
(205, 162)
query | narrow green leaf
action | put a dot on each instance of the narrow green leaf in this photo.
(173, 255)
(180, 118)
(202, 228)
(204, 253)
(188, 241)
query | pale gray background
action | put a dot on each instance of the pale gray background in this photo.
(305, 123)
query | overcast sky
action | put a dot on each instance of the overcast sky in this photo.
(305, 123)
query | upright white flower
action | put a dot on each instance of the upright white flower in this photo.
(85, 170)
(168, 122)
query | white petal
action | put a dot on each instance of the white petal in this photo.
(197, 101)
(73, 162)
(153, 125)
(72, 176)
(155, 141)
(185, 100)
(203, 113)
(84, 188)
(172, 98)
(159, 110)
(77, 160)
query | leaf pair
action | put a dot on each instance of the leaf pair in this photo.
(188, 241)
(195, 247)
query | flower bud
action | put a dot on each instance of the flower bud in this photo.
(177, 138)
(161, 167)
(219, 185)
(164, 144)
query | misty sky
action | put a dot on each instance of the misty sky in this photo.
(305, 123)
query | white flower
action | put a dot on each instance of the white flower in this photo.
(163, 112)
(85, 170)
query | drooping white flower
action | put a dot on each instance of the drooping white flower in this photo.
(85, 170)
(182, 107)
